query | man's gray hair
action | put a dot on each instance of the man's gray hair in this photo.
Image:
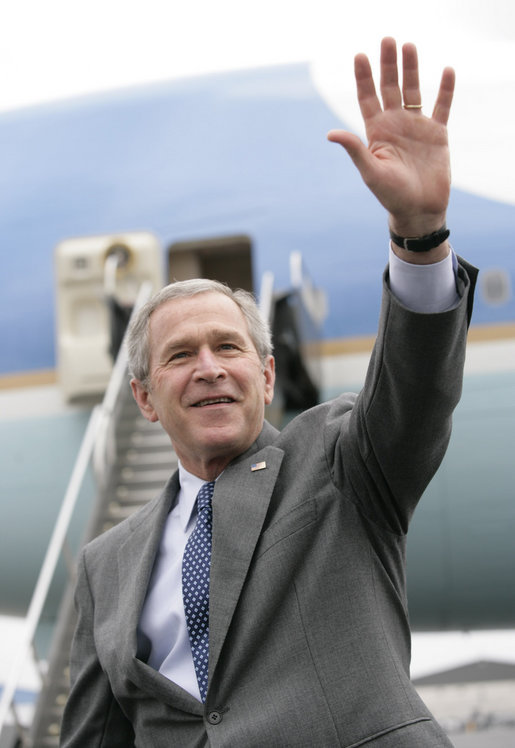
(138, 342)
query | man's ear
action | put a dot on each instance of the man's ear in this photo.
(142, 397)
(269, 373)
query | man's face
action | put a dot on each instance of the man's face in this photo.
(208, 387)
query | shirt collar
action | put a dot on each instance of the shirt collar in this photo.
(190, 486)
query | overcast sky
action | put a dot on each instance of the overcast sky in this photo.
(59, 48)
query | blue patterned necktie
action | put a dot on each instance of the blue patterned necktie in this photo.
(195, 585)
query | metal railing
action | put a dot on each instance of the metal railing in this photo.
(55, 547)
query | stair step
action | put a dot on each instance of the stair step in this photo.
(149, 457)
(147, 476)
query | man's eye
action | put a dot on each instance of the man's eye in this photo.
(228, 347)
(179, 355)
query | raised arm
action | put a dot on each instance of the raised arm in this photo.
(406, 163)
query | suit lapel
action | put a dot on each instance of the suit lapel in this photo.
(240, 504)
(136, 558)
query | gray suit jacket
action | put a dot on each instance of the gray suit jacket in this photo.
(309, 632)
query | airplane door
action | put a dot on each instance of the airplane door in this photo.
(93, 275)
(227, 259)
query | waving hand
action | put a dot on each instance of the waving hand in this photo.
(406, 164)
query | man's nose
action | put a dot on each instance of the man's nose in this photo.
(208, 366)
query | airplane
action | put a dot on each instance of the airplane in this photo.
(231, 174)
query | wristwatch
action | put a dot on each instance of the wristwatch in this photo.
(421, 243)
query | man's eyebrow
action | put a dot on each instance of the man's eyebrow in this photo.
(227, 333)
(217, 335)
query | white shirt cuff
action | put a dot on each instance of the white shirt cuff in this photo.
(424, 288)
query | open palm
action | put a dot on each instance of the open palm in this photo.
(406, 163)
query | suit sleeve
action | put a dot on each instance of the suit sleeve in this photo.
(92, 716)
(394, 439)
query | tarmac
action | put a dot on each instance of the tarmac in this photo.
(496, 737)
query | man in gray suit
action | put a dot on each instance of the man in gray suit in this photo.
(306, 642)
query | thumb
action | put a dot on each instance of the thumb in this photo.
(358, 152)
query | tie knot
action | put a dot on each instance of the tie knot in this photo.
(205, 495)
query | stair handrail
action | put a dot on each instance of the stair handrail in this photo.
(266, 296)
(50, 562)
(313, 298)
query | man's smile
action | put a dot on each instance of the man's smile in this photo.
(213, 401)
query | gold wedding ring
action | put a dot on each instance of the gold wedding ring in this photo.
(412, 106)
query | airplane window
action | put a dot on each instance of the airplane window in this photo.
(495, 286)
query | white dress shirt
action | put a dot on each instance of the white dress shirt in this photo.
(421, 288)
(163, 619)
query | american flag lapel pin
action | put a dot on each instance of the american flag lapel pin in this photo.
(258, 466)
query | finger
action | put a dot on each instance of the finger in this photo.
(443, 102)
(367, 97)
(390, 90)
(410, 79)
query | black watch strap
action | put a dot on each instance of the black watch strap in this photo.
(421, 243)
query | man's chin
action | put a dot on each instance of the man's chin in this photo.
(224, 443)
